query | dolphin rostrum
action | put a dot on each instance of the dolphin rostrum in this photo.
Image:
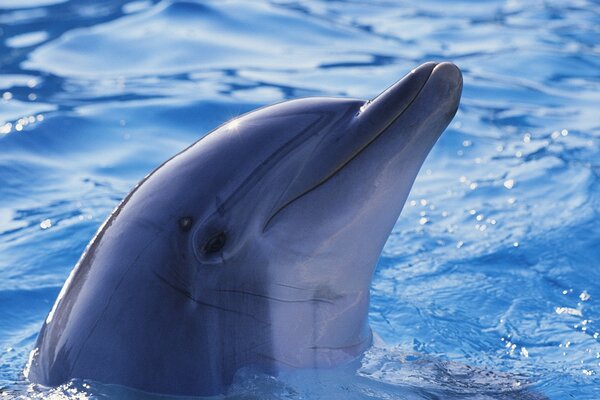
(255, 246)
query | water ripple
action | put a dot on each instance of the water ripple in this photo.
(493, 262)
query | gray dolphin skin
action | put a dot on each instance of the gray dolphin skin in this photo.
(255, 246)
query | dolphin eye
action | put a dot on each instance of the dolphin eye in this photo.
(214, 244)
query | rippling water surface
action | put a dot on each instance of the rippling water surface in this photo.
(490, 281)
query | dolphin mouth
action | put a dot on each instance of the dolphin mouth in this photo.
(377, 116)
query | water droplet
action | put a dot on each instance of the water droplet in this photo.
(568, 311)
(6, 128)
(45, 224)
(423, 220)
(364, 106)
(515, 244)
(584, 296)
(509, 183)
(6, 96)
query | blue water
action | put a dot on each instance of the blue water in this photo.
(490, 280)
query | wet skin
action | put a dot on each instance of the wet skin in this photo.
(254, 246)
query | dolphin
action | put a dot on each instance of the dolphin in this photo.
(255, 246)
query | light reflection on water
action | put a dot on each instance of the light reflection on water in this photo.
(493, 263)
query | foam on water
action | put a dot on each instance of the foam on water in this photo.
(489, 282)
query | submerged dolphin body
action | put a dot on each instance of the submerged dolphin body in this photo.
(254, 246)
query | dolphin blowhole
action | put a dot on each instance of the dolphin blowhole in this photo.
(269, 263)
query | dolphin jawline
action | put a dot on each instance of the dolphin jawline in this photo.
(380, 101)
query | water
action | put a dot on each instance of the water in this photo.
(493, 264)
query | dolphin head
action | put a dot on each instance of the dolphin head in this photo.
(256, 244)
(289, 207)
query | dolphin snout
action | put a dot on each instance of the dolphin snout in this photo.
(448, 82)
(379, 113)
(449, 72)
